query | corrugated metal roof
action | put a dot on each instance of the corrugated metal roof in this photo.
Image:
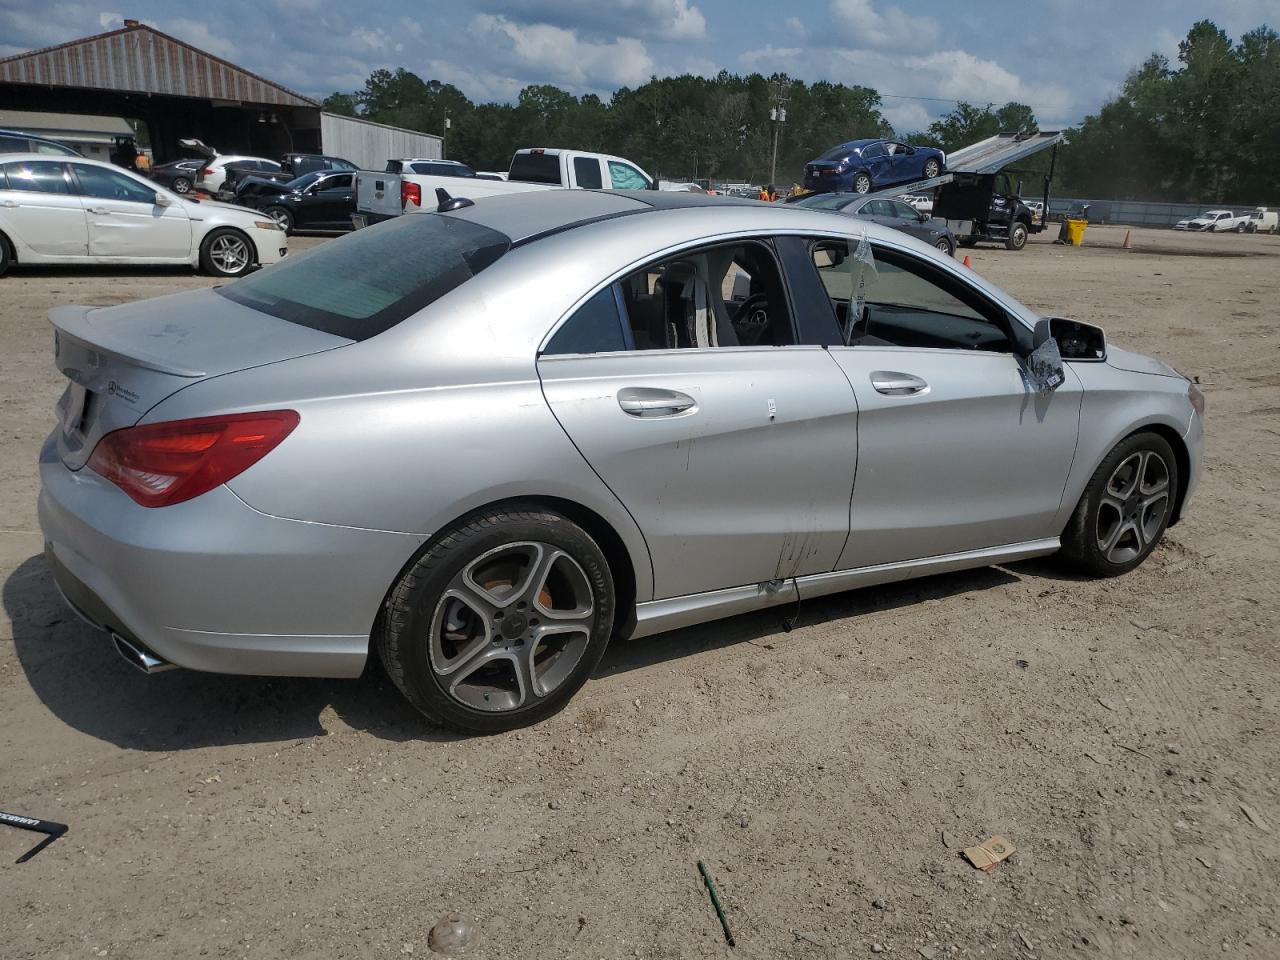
(140, 59)
(994, 153)
(29, 121)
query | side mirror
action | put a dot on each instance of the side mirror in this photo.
(1044, 362)
(1076, 341)
(163, 199)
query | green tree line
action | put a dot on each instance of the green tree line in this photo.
(1207, 129)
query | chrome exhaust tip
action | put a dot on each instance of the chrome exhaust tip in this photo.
(139, 656)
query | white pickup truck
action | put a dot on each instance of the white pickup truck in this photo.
(383, 195)
(1214, 221)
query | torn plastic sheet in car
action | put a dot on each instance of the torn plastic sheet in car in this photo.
(1044, 366)
(862, 267)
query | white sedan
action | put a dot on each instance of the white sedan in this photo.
(68, 210)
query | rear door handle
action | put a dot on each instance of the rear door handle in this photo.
(98, 210)
(894, 384)
(647, 402)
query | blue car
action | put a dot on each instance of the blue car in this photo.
(861, 166)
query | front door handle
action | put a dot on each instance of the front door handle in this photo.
(98, 210)
(9, 203)
(649, 402)
(894, 384)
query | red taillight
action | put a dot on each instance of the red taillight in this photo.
(159, 464)
(207, 172)
(410, 193)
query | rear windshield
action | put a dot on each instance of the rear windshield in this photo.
(368, 281)
(837, 153)
(535, 168)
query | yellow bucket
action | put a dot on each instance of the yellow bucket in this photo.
(1075, 231)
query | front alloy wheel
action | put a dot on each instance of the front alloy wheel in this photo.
(1125, 509)
(226, 253)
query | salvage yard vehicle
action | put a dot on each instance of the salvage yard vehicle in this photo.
(1214, 221)
(291, 166)
(314, 201)
(895, 213)
(211, 175)
(861, 166)
(79, 211)
(382, 195)
(17, 141)
(983, 202)
(1263, 220)
(178, 175)
(485, 441)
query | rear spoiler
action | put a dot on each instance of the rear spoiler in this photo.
(73, 322)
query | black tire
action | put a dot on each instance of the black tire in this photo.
(212, 260)
(418, 601)
(862, 183)
(931, 168)
(181, 185)
(945, 245)
(6, 255)
(1083, 540)
(282, 216)
(1017, 238)
(1239, 228)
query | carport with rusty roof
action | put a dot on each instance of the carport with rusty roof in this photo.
(178, 91)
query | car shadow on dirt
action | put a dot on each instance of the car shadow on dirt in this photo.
(760, 626)
(76, 674)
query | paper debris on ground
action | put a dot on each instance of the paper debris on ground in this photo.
(987, 854)
(1255, 818)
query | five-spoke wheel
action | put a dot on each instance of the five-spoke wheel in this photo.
(500, 621)
(1125, 508)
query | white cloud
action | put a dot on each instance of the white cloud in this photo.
(795, 25)
(198, 35)
(110, 21)
(666, 20)
(906, 116)
(945, 74)
(861, 25)
(561, 56)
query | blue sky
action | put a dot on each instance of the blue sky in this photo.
(1064, 57)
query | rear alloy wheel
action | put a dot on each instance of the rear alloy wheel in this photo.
(226, 253)
(181, 185)
(862, 183)
(931, 169)
(500, 622)
(1125, 508)
(1017, 238)
(946, 246)
(281, 216)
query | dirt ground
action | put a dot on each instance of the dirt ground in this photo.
(1122, 734)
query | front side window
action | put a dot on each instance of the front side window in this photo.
(109, 185)
(37, 176)
(907, 302)
(626, 177)
(586, 170)
(365, 283)
(724, 296)
(903, 211)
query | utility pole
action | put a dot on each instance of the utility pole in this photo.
(444, 136)
(777, 114)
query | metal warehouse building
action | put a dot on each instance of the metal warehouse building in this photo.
(180, 92)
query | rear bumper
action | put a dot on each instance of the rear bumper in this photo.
(211, 584)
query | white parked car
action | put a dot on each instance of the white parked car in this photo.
(68, 210)
(1214, 221)
(211, 175)
(920, 202)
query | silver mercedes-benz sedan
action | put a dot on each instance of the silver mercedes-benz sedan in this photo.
(486, 441)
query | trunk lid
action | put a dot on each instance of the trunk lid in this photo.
(121, 361)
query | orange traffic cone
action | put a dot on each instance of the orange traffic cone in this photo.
(1128, 241)
(966, 260)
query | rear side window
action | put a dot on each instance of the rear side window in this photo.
(535, 168)
(37, 176)
(370, 280)
(13, 145)
(586, 170)
(595, 327)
